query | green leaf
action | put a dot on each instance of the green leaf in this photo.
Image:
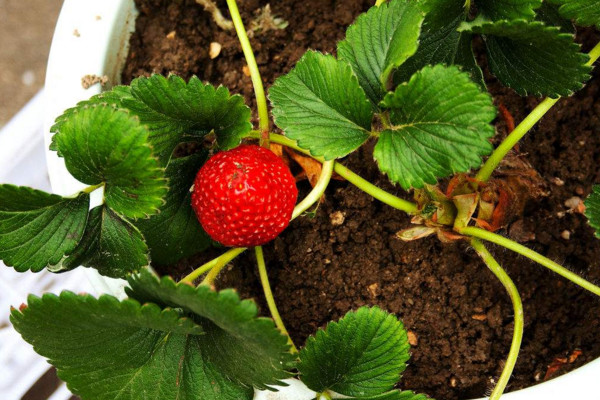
(110, 350)
(38, 229)
(549, 15)
(175, 233)
(249, 350)
(173, 110)
(103, 144)
(584, 12)
(321, 105)
(110, 244)
(508, 9)
(113, 97)
(533, 58)
(361, 355)
(379, 41)
(441, 125)
(592, 209)
(441, 43)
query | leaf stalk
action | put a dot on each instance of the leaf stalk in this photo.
(515, 298)
(318, 190)
(92, 188)
(216, 264)
(356, 180)
(525, 126)
(532, 255)
(259, 91)
(264, 280)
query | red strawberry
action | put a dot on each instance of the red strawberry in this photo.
(245, 196)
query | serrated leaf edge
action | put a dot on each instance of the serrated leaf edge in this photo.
(583, 69)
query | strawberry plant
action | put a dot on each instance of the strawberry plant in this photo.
(404, 77)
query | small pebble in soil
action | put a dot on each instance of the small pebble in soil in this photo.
(171, 35)
(575, 204)
(214, 50)
(412, 338)
(374, 289)
(565, 234)
(557, 181)
(337, 218)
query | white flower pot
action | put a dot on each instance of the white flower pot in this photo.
(92, 38)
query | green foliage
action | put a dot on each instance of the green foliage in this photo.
(441, 42)
(526, 55)
(592, 209)
(361, 355)
(321, 105)
(440, 125)
(379, 41)
(549, 15)
(37, 229)
(584, 12)
(110, 244)
(107, 349)
(248, 350)
(533, 58)
(170, 341)
(174, 111)
(174, 232)
(508, 9)
(102, 144)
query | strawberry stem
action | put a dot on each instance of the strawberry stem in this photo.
(515, 298)
(524, 251)
(356, 180)
(259, 91)
(264, 280)
(216, 264)
(318, 190)
(91, 189)
(525, 126)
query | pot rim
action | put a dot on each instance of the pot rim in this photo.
(92, 36)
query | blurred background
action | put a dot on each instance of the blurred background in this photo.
(26, 28)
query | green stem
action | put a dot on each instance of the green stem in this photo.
(259, 91)
(317, 191)
(218, 264)
(510, 287)
(379, 2)
(379, 194)
(516, 135)
(264, 280)
(513, 138)
(93, 188)
(540, 259)
(350, 176)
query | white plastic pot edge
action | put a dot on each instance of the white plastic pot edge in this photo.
(91, 38)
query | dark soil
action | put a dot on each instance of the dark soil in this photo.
(457, 311)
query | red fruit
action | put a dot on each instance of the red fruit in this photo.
(245, 196)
